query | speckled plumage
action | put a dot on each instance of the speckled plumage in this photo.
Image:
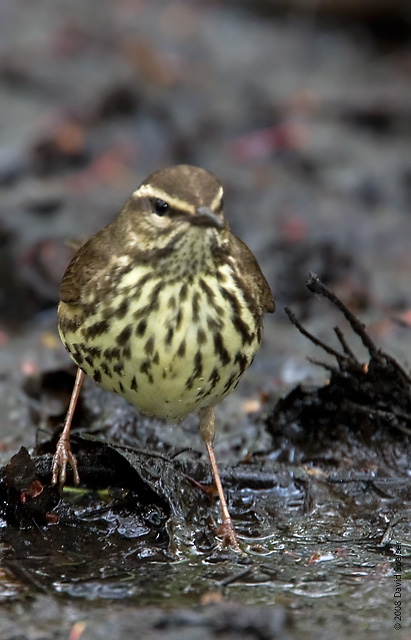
(165, 307)
(172, 334)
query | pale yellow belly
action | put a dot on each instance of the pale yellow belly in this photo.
(180, 356)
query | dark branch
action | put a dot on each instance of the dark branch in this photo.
(310, 336)
(324, 365)
(315, 285)
(344, 344)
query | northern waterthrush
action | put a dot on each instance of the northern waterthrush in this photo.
(164, 306)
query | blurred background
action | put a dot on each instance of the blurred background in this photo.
(301, 107)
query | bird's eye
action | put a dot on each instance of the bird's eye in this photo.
(160, 207)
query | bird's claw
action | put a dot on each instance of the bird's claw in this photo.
(61, 458)
(229, 536)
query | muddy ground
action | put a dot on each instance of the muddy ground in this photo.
(306, 118)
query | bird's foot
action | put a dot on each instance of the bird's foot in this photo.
(61, 458)
(229, 536)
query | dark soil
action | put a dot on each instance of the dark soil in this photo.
(305, 117)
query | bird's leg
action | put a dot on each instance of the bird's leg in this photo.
(207, 432)
(63, 453)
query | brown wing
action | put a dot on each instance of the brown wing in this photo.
(86, 265)
(251, 274)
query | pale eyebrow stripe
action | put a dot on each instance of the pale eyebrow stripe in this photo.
(217, 199)
(153, 192)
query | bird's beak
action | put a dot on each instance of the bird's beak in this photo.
(204, 217)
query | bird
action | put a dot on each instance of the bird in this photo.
(164, 306)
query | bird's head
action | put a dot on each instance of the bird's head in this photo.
(172, 203)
